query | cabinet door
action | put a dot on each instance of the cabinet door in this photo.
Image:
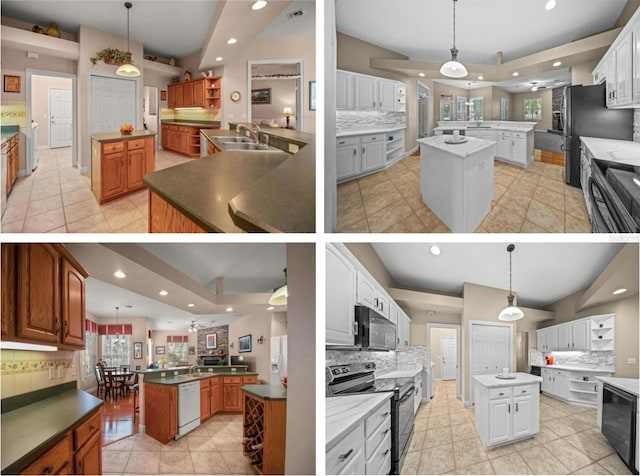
(610, 66)
(344, 90)
(387, 92)
(205, 401)
(348, 161)
(356, 465)
(232, 397)
(561, 386)
(88, 459)
(552, 339)
(522, 409)
(187, 94)
(73, 305)
(183, 142)
(137, 168)
(113, 174)
(171, 100)
(547, 381)
(519, 151)
(504, 147)
(373, 156)
(541, 335)
(580, 331)
(341, 294)
(394, 312)
(366, 93)
(9, 286)
(165, 137)
(39, 293)
(636, 69)
(624, 71)
(564, 337)
(499, 420)
(367, 293)
(199, 93)
(179, 92)
(216, 396)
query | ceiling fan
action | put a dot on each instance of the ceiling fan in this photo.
(194, 326)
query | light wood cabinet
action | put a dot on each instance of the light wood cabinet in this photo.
(205, 399)
(13, 163)
(164, 218)
(204, 92)
(161, 405)
(182, 139)
(9, 289)
(73, 304)
(54, 460)
(232, 399)
(264, 433)
(216, 395)
(179, 95)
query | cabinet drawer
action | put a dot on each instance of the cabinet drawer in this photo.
(53, 460)
(250, 379)
(375, 464)
(500, 392)
(504, 134)
(232, 380)
(522, 390)
(173, 127)
(110, 147)
(379, 435)
(136, 144)
(84, 431)
(373, 138)
(519, 135)
(205, 383)
(377, 418)
(346, 141)
(345, 450)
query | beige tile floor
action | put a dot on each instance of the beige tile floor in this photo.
(569, 442)
(531, 200)
(213, 448)
(56, 198)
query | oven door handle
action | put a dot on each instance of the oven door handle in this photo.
(407, 395)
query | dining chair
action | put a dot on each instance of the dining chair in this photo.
(100, 379)
(110, 383)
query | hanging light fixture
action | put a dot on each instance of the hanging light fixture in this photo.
(117, 339)
(453, 68)
(128, 68)
(279, 296)
(510, 313)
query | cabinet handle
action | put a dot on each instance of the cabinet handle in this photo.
(508, 408)
(363, 150)
(344, 457)
(595, 388)
(385, 414)
(385, 453)
(341, 143)
(385, 432)
(57, 327)
(524, 391)
(501, 394)
(355, 328)
(66, 328)
(354, 152)
(48, 469)
(516, 406)
(92, 427)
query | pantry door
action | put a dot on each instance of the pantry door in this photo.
(491, 350)
(112, 102)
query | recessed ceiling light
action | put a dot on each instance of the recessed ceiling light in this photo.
(422, 75)
(231, 41)
(229, 309)
(557, 63)
(270, 308)
(163, 293)
(551, 4)
(620, 291)
(219, 58)
(480, 78)
(259, 5)
(120, 274)
(435, 250)
(515, 73)
(191, 305)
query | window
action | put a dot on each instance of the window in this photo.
(533, 109)
(504, 109)
(462, 109)
(116, 350)
(177, 351)
(446, 110)
(477, 109)
(89, 354)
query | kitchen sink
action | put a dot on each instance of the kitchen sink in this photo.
(249, 146)
(234, 139)
(186, 377)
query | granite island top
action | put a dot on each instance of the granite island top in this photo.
(116, 136)
(631, 385)
(344, 413)
(31, 430)
(491, 381)
(266, 392)
(466, 148)
(621, 151)
(237, 191)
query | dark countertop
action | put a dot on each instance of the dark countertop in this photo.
(185, 122)
(7, 132)
(31, 430)
(178, 379)
(234, 191)
(116, 136)
(266, 392)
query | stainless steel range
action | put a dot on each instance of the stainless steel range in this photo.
(348, 379)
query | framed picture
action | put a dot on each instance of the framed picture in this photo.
(12, 84)
(137, 350)
(212, 341)
(160, 349)
(261, 96)
(192, 350)
(163, 95)
(312, 95)
(244, 343)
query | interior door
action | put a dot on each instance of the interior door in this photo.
(448, 356)
(112, 102)
(60, 117)
(490, 351)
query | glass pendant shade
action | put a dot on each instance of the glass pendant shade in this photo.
(453, 68)
(128, 69)
(279, 296)
(511, 312)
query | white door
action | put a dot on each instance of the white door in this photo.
(448, 356)
(60, 117)
(113, 101)
(490, 351)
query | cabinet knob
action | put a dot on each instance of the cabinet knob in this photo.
(345, 456)
(516, 406)
(48, 469)
(57, 326)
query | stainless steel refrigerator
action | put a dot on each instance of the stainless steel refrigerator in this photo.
(586, 114)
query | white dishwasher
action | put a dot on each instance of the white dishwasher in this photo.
(188, 407)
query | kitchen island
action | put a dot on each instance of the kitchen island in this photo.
(238, 191)
(456, 180)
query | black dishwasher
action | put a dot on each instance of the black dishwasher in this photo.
(619, 423)
(536, 370)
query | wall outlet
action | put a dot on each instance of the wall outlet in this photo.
(60, 371)
(73, 371)
(163, 374)
(293, 148)
(51, 373)
(210, 370)
(175, 372)
(631, 361)
(233, 369)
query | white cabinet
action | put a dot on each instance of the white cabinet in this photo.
(636, 73)
(345, 90)
(500, 421)
(417, 396)
(504, 145)
(519, 150)
(341, 287)
(552, 339)
(366, 88)
(394, 311)
(602, 332)
(348, 157)
(359, 155)
(370, 294)
(624, 71)
(547, 381)
(560, 384)
(403, 330)
(373, 152)
(377, 428)
(347, 455)
(564, 337)
(580, 331)
(522, 415)
(512, 146)
(541, 336)
(387, 95)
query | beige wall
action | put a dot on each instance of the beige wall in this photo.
(440, 90)
(498, 94)
(420, 319)
(40, 86)
(368, 257)
(283, 94)
(279, 324)
(257, 324)
(581, 73)
(435, 348)
(517, 108)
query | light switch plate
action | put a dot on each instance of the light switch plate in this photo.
(210, 370)
(293, 148)
(175, 372)
(51, 373)
(163, 374)
(631, 361)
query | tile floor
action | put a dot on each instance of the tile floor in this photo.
(531, 200)
(57, 199)
(569, 442)
(213, 448)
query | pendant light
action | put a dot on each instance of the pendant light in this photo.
(453, 68)
(117, 341)
(128, 68)
(279, 296)
(510, 313)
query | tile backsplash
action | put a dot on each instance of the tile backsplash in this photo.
(24, 371)
(354, 120)
(13, 112)
(636, 125)
(600, 359)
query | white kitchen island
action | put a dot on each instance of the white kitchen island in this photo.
(506, 410)
(456, 180)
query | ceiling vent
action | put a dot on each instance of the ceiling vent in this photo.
(296, 14)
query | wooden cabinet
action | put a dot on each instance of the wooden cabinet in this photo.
(231, 397)
(216, 395)
(13, 162)
(9, 290)
(264, 433)
(54, 460)
(164, 218)
(249, 380)
(118, 168)
(161, 406)
(341, 288)
(205, 399)
(73, 304)
(182, 139)
(179, 95)
(204, 92)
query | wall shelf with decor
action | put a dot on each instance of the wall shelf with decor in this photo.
(602, 332)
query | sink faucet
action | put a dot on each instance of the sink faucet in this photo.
(192, 369)
(252, 127)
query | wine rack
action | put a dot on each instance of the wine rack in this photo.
(253, 431)
(264, 431)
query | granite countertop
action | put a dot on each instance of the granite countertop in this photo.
(620, 151)
(116, 136)
(368, 130)
(6, 135)
(576, 368)
(186, 378)
(343, 414)
(234, 191)
(186, 122)
(631, 385)
(401, 373)
(202, 368)
(31, 430)
(462, 150)
(266, 392)
(490, 381)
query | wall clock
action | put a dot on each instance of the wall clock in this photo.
(235, 96)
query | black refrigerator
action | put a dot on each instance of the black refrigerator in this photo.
(586, 114)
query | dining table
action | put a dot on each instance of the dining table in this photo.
(120, 377)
